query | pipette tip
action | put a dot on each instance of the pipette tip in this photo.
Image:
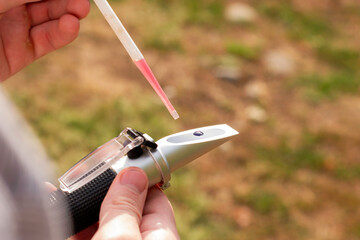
(174, 114)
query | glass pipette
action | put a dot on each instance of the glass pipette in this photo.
(134, 52)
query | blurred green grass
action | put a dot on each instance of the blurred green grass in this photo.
(242, 50)
(320, 87)
(299, 25)
(287, 158)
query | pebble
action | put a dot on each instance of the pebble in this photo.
(170, 91)
(279, 62)
(243, 216)
(228, 73)
(256, 90)
(256, 114)
(240, 12)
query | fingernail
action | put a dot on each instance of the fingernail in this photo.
(135, 177)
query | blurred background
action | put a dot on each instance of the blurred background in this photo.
(284, 73)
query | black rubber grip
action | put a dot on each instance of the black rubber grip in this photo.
(84, 203)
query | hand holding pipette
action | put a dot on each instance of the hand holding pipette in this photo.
(134, 52)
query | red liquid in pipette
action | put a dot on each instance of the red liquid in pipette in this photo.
(146, 71)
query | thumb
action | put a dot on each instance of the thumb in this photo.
(6, 5)
(121, 210)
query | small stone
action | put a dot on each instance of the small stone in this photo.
(171, 91)
(256, 114)
(243, 216)
(279, 62)
(256, 90)
(240, 12)
(227, 147)
(228, 73)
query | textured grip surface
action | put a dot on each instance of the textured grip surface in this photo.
(84, 203)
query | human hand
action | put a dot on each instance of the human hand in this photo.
(130, 212)
(30, 29)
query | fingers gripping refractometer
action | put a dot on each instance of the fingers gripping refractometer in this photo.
(84, 186)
